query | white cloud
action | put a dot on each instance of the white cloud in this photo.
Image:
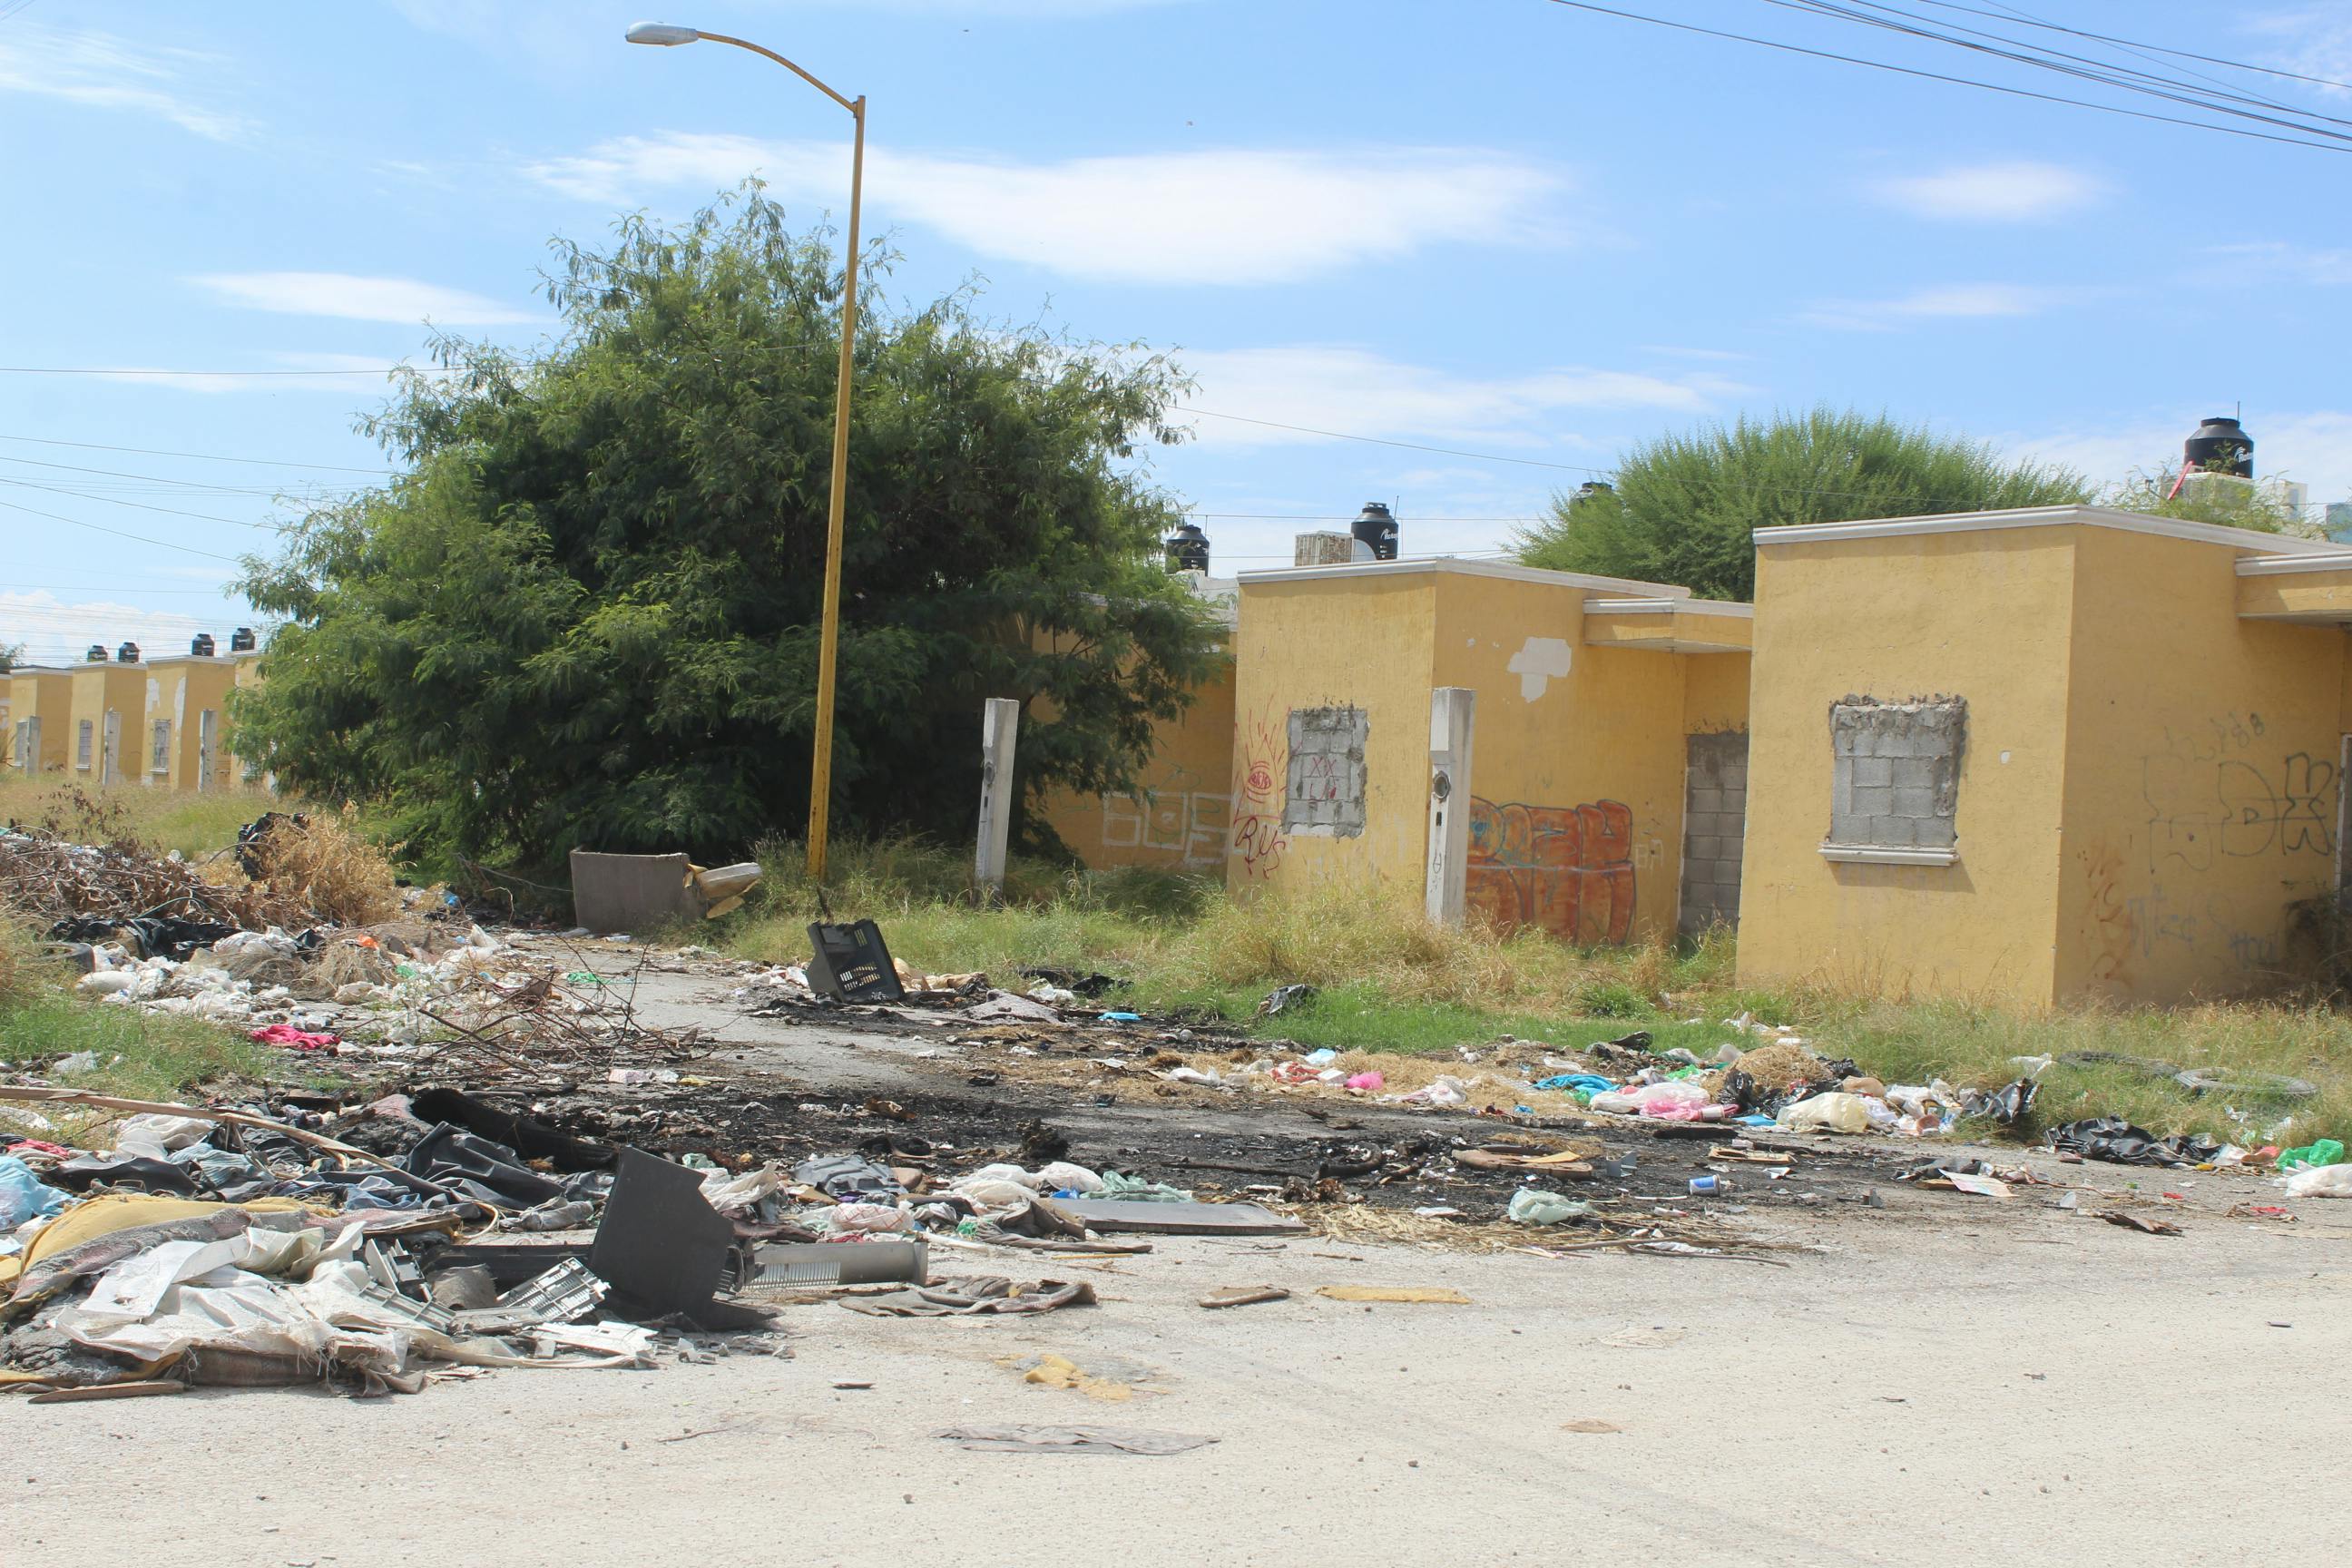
(1354, 390)
(54, 630)
(1237, 215)
(2014, 192)
(354, 298)
(100, 71)
(1964, 301)
(2309, 264)
(2312, 40)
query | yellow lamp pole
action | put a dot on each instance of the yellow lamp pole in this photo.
(665, 35)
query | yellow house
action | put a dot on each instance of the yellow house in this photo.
(1608, 764)
(1180, 817)
(106, 702)
(185, 720)
(2043, 754)
(40, 699)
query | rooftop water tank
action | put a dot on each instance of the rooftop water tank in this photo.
(201, 645)
(97, 653)
(1376, 529)
(2221, 446)
(1188, 549)
(241, 640)
(127, 653)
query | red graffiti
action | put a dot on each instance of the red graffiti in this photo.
(1258, 762)
(1566, 869)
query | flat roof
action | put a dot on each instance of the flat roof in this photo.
(1455, 563)
(2253, 541)
(1737, 607)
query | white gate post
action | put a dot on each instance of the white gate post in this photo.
(998, 723)
(1452, 710)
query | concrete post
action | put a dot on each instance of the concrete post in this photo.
(998, 724)
(1453, 711)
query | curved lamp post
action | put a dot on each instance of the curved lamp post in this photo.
(666, 36)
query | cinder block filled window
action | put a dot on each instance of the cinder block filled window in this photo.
(1895, 785)
(82, 745)
(1326, 771)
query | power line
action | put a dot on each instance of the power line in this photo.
(198, 457)
(213, 375)
(2126, 43)
(1954, 80)
(159, 478)
(143, 505)
(135, 538)
(2105, 73)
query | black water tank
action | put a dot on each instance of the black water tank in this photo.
(2223, 447)
(241, 640)
(127, 653)
(1188, 549)
(201, 645)
(97, 653)
(1377, 530)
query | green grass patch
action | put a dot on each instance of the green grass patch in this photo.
(141, 1055)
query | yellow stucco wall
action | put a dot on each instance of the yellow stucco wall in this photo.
(1714, 691)
(48, 695)
(1984, 616)
(179, 691)
(1577, 767)
(1181, 818)
(2201, 787)
(99, 690)
(1333, 641)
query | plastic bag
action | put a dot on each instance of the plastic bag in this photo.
(1531, 1207)
(2321, 1182)
(1673, 1100)
(24, 1195)
(2319, 1151)
(1830, 1112)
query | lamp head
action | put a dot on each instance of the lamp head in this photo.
(664, 34)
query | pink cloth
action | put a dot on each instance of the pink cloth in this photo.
(299, 1039)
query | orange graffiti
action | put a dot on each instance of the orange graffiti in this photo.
(1566, 869)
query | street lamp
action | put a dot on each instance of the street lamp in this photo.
(665, 35)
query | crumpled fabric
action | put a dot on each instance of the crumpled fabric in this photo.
(981, 1294)
(847, 1177)
(24, 1195)
(1135, 1189)
(2112, 1139)
(1568, 1082)
(297, 1039)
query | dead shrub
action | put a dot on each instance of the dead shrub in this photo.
(323, 862)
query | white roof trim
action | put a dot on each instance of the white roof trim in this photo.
(2253, 541)
(1669, 607)
(2334, 560)
(1469, 568)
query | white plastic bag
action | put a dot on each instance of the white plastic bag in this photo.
(1832, 1112)
(2321, 1182)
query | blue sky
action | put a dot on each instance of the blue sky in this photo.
(1509, 227)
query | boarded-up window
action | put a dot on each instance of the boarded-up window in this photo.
(1326, 771)
(1896, 778)
(160, 753)
(82, 745)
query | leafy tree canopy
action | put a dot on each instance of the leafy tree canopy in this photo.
(1682, 509)
(586, 612)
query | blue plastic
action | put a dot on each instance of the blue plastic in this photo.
(1574, 1081)
(24, 1195)
(1122, 1017)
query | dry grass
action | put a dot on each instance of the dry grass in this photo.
(322, 860)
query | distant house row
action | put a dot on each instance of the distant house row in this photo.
(2034, 755)
(127, 718)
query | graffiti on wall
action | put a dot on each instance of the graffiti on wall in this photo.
(1261, 758)
(1566, 869)
(1189, 825)
(2201, 808)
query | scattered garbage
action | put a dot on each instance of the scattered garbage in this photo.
(1532, 1205)
(1285, 998)
(2112, 1139)
(1432, 1295)
(2321, 1182)
(1021, 1439)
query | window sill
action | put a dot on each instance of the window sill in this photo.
(1888, 855)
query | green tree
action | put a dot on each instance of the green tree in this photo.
(1683, 507)
(2260, 504)
(586, 612)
